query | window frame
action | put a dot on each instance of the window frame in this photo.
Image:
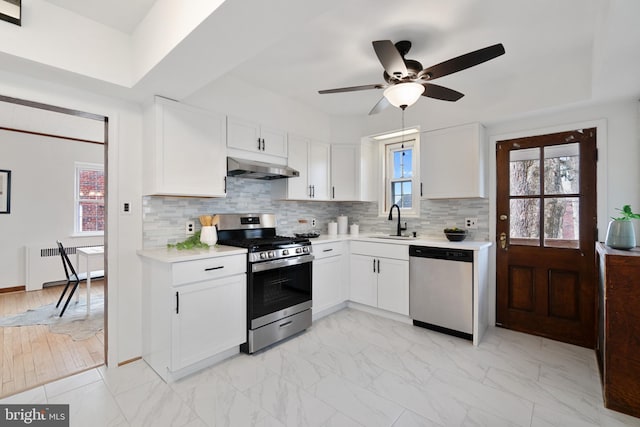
(386, 166)
(78, 167)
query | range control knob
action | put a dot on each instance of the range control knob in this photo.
(298, 250)
(271, 254)
(285, 252)
(263, 255)
(305, 249)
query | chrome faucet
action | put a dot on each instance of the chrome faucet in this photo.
(400, 227)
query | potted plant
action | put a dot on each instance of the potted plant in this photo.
(620, 234)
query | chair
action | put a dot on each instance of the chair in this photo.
(72, 277)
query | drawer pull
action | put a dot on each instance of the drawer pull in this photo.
(327, 250)
(214, 268)
(286, 323)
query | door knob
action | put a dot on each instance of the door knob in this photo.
(503, 240)
(503, 217)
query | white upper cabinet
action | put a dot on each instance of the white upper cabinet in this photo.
(311, 159)
(184, 151)
(345, 172)
(319, 161)
(253, 137)
(353, 172)
(453, 162)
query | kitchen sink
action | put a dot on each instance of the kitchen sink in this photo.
(392, 237)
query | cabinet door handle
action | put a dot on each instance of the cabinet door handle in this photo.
(225, 185)
(258, 144)
(214, 268)
(262, 144)
(333, 192)
(378, 266)
(177, 303)
(327, 250)
(309, 191)
(420, 189)
(313, 191)
(374, 265)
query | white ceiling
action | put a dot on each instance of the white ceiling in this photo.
(123, 15)
(557, 52)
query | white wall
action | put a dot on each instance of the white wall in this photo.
(124, 184)
(42, 198)
(234, 97)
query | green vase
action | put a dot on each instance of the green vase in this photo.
(621, 235)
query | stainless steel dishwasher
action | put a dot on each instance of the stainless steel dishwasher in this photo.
(441, 289)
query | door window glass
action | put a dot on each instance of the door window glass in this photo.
(561, 223)
(555, 207)
(525, 221)
(562, 169)
(524, 168)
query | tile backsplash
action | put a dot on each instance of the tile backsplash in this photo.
(164, 217)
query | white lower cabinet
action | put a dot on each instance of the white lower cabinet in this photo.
(380, 281)
(193, 312)
(363, 287)
(209, 319)
(329, 276)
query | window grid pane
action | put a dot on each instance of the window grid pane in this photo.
(402, 163)
(562, 169)
(561, 222)
(401, 194)
(90, 202)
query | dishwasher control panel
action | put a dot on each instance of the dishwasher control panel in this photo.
(463, 255)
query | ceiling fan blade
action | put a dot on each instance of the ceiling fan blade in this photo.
(441, 92)
(381, 105)
(462, 62)
(352, 88)
(390, 58)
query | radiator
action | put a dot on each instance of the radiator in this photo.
(44, 265)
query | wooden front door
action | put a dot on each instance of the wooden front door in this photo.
(546, 233)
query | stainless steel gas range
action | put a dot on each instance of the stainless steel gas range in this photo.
(278, 278)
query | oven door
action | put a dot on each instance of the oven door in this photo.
(278, 288)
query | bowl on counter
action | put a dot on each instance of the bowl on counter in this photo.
(311, 235)
(455, 234)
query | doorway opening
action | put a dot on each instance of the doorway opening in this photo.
(40, 147)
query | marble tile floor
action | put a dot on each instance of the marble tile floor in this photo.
(354, 369)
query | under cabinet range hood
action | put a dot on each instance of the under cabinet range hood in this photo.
(242, 168)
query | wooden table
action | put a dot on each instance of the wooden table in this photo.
(88, 254)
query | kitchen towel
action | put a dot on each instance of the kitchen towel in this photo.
(343, 222)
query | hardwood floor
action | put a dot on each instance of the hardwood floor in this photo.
(31, 355)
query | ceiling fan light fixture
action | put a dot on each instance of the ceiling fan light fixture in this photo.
(403, 95)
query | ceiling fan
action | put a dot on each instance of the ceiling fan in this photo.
(406, 80)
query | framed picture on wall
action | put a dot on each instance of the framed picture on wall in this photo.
(5, 191)
(11, 11)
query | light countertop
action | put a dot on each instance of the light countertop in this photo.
(419, 241)
(170, 255)
(175, 255)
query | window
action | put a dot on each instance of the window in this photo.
(89, 199)
(401, 177)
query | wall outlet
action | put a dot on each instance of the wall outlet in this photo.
(189, 228)
(313, 222)
(126, 208)
(471, 223)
